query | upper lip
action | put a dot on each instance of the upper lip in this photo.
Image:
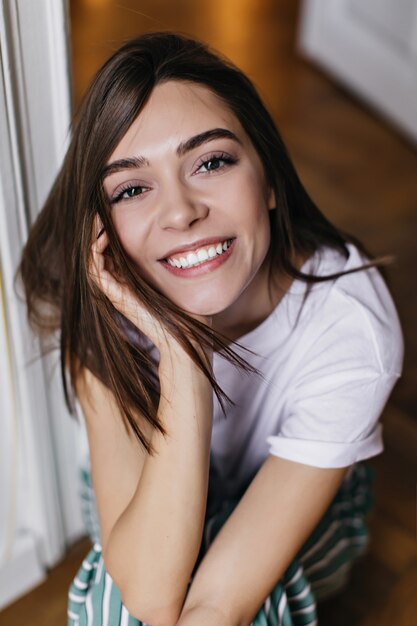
(195, 245)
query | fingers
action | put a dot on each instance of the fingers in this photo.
(97, 259)
(97, 227)
(101, 242)
(101, 268)
(102, 273)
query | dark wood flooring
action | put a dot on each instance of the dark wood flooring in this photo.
(363, 175)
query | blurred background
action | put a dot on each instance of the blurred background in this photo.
(340, 78)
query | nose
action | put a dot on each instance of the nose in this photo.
(180, 208)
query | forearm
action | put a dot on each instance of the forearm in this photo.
(204, 616)
(153, 546)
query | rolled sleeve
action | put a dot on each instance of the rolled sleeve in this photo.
(330, 423)
(327, 453)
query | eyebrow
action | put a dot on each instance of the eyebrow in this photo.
(184, 147)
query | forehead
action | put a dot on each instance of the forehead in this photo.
(175, 111)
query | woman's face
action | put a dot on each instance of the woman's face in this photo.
(190, 202)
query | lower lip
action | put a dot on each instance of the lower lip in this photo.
(203, 268)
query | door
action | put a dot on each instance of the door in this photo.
(371, 47)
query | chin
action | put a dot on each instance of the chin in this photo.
(205, 308)
(204, 311)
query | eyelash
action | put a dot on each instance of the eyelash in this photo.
(119, 196)
(217, 157)
(228, 160)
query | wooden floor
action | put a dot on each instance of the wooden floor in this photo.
(363, 175)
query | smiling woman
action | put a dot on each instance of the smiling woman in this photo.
(197, 185)
(179, 255)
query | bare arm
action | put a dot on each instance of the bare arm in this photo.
(154, 545)
(151, 548)
(275, 516)
(116, 456)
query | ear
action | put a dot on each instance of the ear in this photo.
(271, 199)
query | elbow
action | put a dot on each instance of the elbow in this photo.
(149, 610)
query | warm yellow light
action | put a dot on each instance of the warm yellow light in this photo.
(96, 4)
(232, 24)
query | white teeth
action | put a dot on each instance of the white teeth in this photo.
(192, 258)
(200, 256)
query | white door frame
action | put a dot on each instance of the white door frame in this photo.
(39, 442)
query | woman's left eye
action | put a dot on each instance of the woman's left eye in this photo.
(215, 163)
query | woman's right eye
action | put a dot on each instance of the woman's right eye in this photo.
(127, 193)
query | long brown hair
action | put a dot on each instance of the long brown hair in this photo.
(54, 267)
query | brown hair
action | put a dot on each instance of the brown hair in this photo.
(54, 266)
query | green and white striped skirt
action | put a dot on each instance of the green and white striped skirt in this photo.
(320, 569)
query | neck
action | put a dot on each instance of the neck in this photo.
(255, 304)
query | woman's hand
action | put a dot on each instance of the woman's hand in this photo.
(102, 272)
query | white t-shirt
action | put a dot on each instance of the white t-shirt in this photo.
(324, 382)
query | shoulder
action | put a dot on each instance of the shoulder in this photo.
(353, 316)
(94, 397)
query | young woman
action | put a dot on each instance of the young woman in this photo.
(231, 350)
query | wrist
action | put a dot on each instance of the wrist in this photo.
(182, 381)
(175, 362)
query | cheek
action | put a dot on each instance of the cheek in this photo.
(252, 187)
(130, 232)
(253, 203)
(257, 215)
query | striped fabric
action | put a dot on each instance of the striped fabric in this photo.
(320, 569)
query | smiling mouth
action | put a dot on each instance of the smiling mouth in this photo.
(199, 256)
